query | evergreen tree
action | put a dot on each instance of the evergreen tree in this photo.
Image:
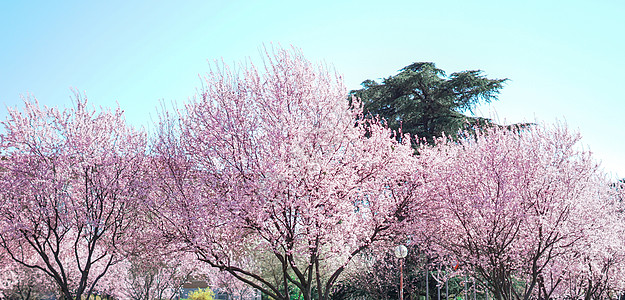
(423, 101)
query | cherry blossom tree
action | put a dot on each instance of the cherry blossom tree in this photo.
(71, 187)
(517, 205)
(596, 268)
(276, 164)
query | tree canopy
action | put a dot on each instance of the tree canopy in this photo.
(273, 164)
(423, 101)
(71, 183)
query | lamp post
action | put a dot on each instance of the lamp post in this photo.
(400, 252)
(427, 284)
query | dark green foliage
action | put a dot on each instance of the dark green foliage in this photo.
(423, 101)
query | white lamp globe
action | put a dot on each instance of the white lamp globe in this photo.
(401, 251)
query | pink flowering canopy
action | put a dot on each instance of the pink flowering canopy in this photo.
(273, 170)
(71, 182)
(524, 205)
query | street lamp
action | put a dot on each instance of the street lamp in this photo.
(400, 252)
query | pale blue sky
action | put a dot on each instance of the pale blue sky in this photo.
(564, 58)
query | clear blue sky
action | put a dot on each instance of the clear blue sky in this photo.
(565, 59)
